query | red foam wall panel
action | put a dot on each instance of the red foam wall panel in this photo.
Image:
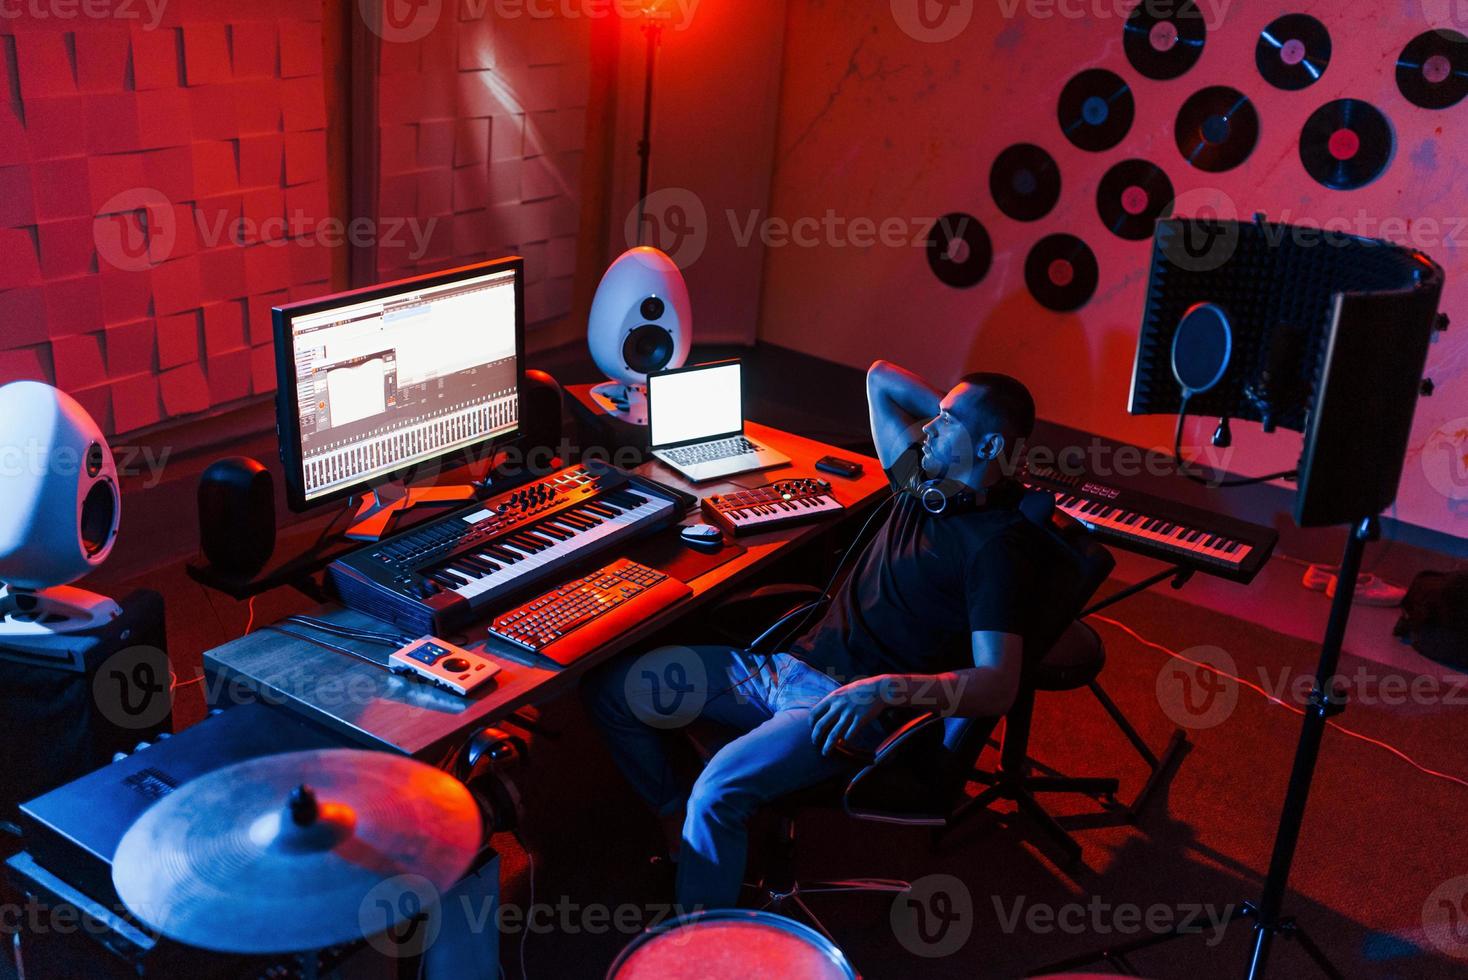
(135, 158)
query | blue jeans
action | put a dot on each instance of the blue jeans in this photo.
(640, 701)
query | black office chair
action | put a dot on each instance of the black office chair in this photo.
(920, 773)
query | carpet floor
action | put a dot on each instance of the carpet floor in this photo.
(1374, 873)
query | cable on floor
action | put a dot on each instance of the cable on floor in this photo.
(1449, 777)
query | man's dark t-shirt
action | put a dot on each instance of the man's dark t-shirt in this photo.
(925, 583)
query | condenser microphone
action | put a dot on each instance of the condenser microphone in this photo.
(1275, 386)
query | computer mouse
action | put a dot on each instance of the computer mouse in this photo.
(702, 534)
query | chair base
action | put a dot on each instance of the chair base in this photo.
(1021, 791)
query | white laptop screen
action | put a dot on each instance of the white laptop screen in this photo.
(699, 403)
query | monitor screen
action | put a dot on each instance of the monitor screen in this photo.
(695, 403)
(395, 376)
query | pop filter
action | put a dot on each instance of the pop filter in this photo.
(1202, 348)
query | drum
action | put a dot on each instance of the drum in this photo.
(731, 944)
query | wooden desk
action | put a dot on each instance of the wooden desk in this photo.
(385, 711)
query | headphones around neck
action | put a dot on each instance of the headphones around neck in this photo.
(944, 497)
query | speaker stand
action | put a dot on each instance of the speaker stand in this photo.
(43, 613)
(374, 513)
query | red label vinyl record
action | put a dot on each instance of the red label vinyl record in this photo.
(1346, 144)
(1131, 197)
(1061, 272)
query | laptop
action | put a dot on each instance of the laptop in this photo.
(695, 420)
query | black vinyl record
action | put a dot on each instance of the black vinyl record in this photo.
(1293, 51)
(1061, 272)
(959, 250)
(1346, 144)
(1025, 182)
(1163, 40)
(1096, 109)
(1131, 197)
(1432, 71)
(1217, 128)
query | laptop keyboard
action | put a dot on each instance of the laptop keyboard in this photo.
(705, 452)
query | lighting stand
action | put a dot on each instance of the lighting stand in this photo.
(654, 34)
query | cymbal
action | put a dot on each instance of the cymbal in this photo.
(297, 851)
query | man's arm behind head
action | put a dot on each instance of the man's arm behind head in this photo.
(899, 403)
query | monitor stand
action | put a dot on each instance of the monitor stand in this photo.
(376, 511)
(625, 402)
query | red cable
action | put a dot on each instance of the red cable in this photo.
(1270, 697)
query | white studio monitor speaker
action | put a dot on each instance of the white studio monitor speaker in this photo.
(640, 322)
(59, 510)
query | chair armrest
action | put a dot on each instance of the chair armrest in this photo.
(776, 635)
(732, 617)
(893, 744)
(912, 777)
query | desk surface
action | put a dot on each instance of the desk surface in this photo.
(385, 711)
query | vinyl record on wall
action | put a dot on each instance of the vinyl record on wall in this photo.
(1131, 197)
(959, 250)
(1217, 128)
(1346, 144)
(1096, 109)
(1293, 51)
(1061, 272)
(1164, 45)
(1432, 71)
(1025, 182)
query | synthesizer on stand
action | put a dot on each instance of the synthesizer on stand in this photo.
(1158, 528)
(440, 575)
(772, 505)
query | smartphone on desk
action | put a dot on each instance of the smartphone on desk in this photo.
(841, 467)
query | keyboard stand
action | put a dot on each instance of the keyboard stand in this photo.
(1178, 743)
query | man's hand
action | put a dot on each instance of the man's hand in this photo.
(845, 711)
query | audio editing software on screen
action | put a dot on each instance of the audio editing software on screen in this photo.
(385, 384)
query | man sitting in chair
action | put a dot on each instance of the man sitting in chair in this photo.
(930, 618)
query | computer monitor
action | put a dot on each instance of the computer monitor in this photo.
(378, 383)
